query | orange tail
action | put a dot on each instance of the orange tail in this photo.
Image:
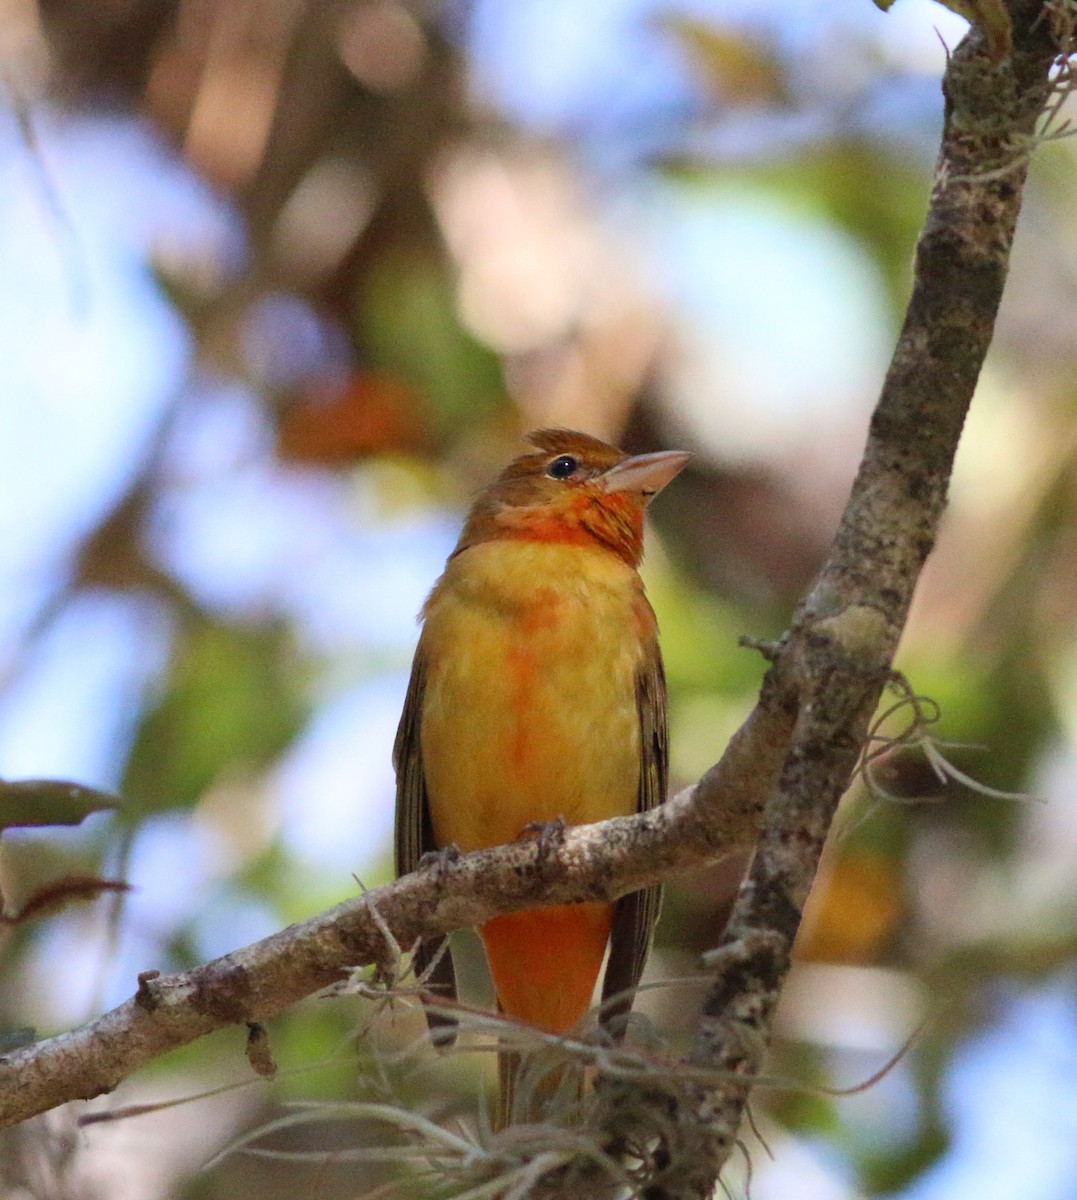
(545, 963)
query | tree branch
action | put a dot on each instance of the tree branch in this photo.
(844, 635)
(597, 862)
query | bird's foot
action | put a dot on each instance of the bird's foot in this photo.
(550, 835)
(440, 860)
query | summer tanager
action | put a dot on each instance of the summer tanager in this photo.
(537, 693)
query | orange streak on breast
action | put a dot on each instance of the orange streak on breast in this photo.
(522, 665)
(545, 961)
(529, 710)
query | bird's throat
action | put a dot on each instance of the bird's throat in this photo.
(614, 522)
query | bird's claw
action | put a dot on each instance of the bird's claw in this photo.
(440, 860)
(550, 835)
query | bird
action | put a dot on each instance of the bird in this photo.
(537, 696)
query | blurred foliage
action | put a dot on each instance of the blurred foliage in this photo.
(230, 705)
(427, 271)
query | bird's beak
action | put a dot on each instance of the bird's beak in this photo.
(645, 473)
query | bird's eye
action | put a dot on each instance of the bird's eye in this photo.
(562, 467)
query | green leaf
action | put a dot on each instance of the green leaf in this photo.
(32, 802)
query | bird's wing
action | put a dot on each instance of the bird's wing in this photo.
(414, 837)
(634, 915)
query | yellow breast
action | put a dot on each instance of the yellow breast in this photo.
(529, 711)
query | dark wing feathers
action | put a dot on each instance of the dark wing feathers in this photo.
(415, 837)
(634, 915)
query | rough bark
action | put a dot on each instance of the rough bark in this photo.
(844, 635)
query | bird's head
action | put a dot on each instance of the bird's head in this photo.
(572, 488)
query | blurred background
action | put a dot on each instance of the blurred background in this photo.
(281, 284)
